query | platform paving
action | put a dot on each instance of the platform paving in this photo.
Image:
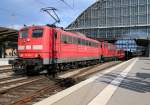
(125, 84)
(135, 89)
(5, 61)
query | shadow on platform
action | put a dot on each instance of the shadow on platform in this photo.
(145, 68)
(138, 83)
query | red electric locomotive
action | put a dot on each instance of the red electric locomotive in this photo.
(40, 47)
(45, 47)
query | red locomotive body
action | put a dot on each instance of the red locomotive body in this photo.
(41, 47)
(44, 41)
(120, 54)
(32, 42)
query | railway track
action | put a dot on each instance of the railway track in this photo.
(6, 75)
(5, 67)
(74, 78)
(84, 72)
(6, 71)
(19, 90)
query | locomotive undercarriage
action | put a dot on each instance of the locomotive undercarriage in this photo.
(59, 67)
(27, 66)
(35, 66)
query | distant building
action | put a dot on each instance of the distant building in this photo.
(113, 20)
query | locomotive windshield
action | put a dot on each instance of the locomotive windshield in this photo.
(24, 34)
(37, 33)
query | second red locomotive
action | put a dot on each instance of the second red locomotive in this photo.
(43, 47)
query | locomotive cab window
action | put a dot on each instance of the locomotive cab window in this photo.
(79, 41)
(24, 34)
(74, 40)
(83, 42)
(64, 39)
(37, 33)
(69, 39)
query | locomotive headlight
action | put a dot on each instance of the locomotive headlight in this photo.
(28, 47)
(37, 47)
(21, 47)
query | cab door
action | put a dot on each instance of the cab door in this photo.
(55, 46)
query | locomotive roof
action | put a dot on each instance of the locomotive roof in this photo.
(76, 34)
(33, 26)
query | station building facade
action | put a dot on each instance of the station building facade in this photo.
(123, 22)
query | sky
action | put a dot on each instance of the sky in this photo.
(16, 13)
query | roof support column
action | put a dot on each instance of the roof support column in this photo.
(3, 50)
(149, 48)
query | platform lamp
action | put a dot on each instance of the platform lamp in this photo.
(4, 44)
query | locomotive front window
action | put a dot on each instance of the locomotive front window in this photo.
(24, 34)
(37, 33)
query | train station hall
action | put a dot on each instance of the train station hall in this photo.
(75, 52)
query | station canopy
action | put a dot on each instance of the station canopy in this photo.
(8, 34)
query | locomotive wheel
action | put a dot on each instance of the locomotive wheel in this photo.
(61, 67)
(52, 70)
(19, 68)
(30, 71)
(75, 65)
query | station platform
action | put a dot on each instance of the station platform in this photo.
(127, 83)
(5, 61)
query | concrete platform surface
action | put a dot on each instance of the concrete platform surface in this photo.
(5, 61)
(125, 84)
